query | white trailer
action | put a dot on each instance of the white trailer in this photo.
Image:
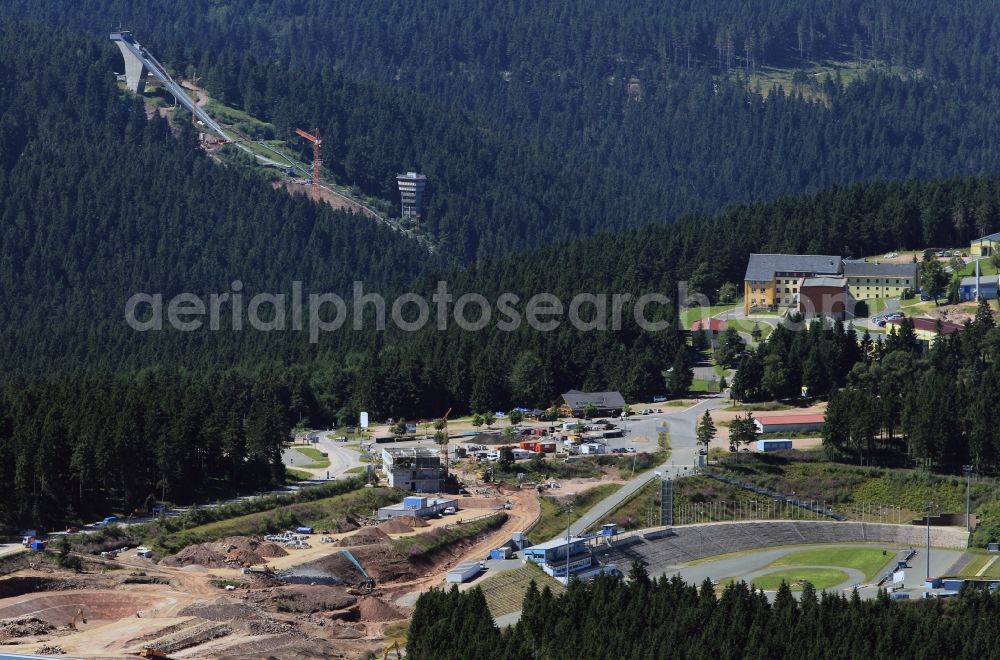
(464, 572)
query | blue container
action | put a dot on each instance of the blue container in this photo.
(952, 584)
(304, 530)
(38, 546)
(414, 502)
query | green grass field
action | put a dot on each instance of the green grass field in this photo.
(875, 306)
(504, 592)
(765, 77)
(319, 461)
(704, 385)
(986, 267)
(297, 475)
(867, 560)
(821, 578)
(426, 543)
(324, 513)
(554, 519)
(982, 565)
(691, 314)
(746, 325)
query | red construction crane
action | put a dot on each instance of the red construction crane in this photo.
(316, 142)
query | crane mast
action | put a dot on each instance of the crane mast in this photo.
(317, 141)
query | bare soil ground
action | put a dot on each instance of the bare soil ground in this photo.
(332, 198)
(181, 607)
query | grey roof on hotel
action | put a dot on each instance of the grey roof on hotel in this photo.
(827, 281)
(983, 279)
(762, 267)
(872, 269)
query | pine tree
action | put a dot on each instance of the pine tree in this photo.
(706, 430)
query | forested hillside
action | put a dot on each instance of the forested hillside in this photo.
(570, 193)
(538, 123)
(666, 618)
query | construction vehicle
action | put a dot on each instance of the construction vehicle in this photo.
(395, 645)
(76, 617)
(317, 141)
(367, 585)
(151, 652)
(258, 570)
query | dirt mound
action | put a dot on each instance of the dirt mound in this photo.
(243, 557)
(413, 521)
(374, 609)
(27, 626)
(221, 610)
(271, 550)
(339, 631)
(348, 524)
(395, 526)
(304, 598)
(365, 536)
(201, 555)
(230, 552)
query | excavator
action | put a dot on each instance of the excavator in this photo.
(76, 617)
(150, 652)
(395, 645)
(364, 587)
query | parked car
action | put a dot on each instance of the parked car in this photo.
(630, 450)
(449, 511)
(703, 452)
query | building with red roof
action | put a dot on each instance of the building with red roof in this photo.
(790, 423)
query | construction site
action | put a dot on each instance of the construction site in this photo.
(325, 594)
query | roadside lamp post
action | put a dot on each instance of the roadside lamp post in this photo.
(929, 506)
(967, 469)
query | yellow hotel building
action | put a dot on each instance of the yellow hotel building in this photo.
(871, 280)
(772, 280)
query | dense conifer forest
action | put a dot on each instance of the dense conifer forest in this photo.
(666, 618)
(551, 169)
(537, 123)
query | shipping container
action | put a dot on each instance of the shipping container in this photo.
(500, 553)
(414, 502)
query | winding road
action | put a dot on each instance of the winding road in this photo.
(683, 456)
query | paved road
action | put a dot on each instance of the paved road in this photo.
(683, 457)
(341, 458)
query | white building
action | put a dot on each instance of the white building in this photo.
(411, 193)
(416, 469)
